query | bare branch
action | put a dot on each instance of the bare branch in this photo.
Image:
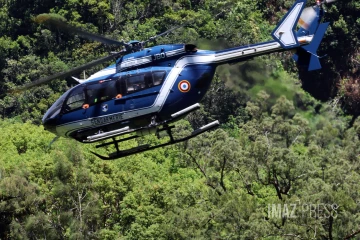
(352, 234)
(198, 165)
(222, 175)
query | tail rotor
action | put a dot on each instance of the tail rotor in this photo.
(311, 25)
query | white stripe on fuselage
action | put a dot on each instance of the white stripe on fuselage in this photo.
(133, 62)
(214, 58)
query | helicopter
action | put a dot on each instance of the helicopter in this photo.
(150, 88)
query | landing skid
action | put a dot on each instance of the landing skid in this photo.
(127, 130)
(123, 153)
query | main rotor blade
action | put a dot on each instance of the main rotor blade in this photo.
(57, 21)
(162, 34)
(66, 73)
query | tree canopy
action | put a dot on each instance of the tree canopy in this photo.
(284, 164)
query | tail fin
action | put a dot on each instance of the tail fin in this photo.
(285, 33)
(306, 56)
(309, 20)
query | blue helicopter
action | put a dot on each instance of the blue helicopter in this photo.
(148, 88)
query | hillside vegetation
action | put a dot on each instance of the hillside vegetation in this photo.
(285, 163)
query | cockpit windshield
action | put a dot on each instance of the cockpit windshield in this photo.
(56, 107)
(76, 99)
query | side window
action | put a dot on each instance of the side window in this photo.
(149, 80)
(121, 85)
(76, 99)
(129, 84)
(158, 77)
(100, 92)
(135, 83)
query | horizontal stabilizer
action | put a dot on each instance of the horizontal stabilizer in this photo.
(315, 43)
(285, 33)
(79, 80)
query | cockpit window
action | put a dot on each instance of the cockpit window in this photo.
(158, 77)
(96, 92)
(54, 110)
(76, 99)
(91, 94)
(101, 92)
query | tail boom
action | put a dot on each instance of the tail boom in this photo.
(242, 53)
(306, 41)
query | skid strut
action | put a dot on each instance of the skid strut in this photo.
(123, 153)
(126, 130)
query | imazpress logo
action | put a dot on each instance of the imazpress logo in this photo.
(295, 210)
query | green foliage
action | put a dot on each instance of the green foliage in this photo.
(276, 144)
(214, 186)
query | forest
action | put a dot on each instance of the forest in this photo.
(284, 163)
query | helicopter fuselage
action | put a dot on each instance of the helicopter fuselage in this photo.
(148, 89)
(144, 86)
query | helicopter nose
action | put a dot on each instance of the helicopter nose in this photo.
(50, 125)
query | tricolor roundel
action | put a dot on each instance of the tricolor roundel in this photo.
(184, 86)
